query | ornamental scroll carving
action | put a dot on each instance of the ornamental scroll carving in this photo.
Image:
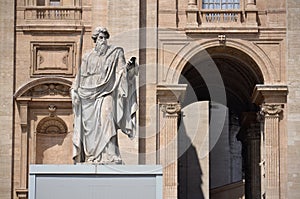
(271, 110)
(171, 109)
(48, 89)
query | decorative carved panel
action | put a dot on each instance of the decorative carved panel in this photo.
(53, 58)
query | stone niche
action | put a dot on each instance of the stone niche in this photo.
(52, 141)
(53, 58)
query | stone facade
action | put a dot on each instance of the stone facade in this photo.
(293, 59)
(7, 63)
(240, 61)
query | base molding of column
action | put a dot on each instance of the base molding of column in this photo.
(22, 193)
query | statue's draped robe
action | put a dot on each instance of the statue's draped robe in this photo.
(107, 94)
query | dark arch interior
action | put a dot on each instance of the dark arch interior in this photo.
(220, 68)
(238, 72)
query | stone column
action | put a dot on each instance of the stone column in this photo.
(169, 98)
(271, 114)
(168, 150)
(253, 141)
(272, 99)
(251, 130)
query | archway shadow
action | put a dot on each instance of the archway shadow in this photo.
(190, 173)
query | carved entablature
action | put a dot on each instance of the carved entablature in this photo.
(271, 110)
(171, 109)
(51, 89)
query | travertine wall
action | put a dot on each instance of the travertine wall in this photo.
(124, 20)
(293, 66)
(6, 90)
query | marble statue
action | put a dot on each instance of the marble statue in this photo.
(104, 101)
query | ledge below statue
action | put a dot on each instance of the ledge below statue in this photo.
(92, 181)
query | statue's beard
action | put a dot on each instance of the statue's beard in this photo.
(101, 47)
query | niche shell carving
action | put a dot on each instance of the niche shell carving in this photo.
(51, 126)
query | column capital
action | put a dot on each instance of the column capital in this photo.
(275, 94)
(171, 109)
(271, 110)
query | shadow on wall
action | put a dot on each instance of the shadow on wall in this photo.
(193, 167)
(53, 149)
(189, 173)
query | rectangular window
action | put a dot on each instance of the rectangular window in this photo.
(48, 3)
(40, 3)
(54, 2)
(220, 4)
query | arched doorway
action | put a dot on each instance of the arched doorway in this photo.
(43, 130)
(230, 149)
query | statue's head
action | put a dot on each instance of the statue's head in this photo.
(99, 30)
(100, 36)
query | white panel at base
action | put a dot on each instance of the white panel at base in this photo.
(95, 181)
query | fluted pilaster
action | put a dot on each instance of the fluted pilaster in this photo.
(271, 114)
(272, 100)
(168, 144)
(169, 98)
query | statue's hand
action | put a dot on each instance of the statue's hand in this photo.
(75, 97)
(131, 63)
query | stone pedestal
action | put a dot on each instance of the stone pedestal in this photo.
(95, 181)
